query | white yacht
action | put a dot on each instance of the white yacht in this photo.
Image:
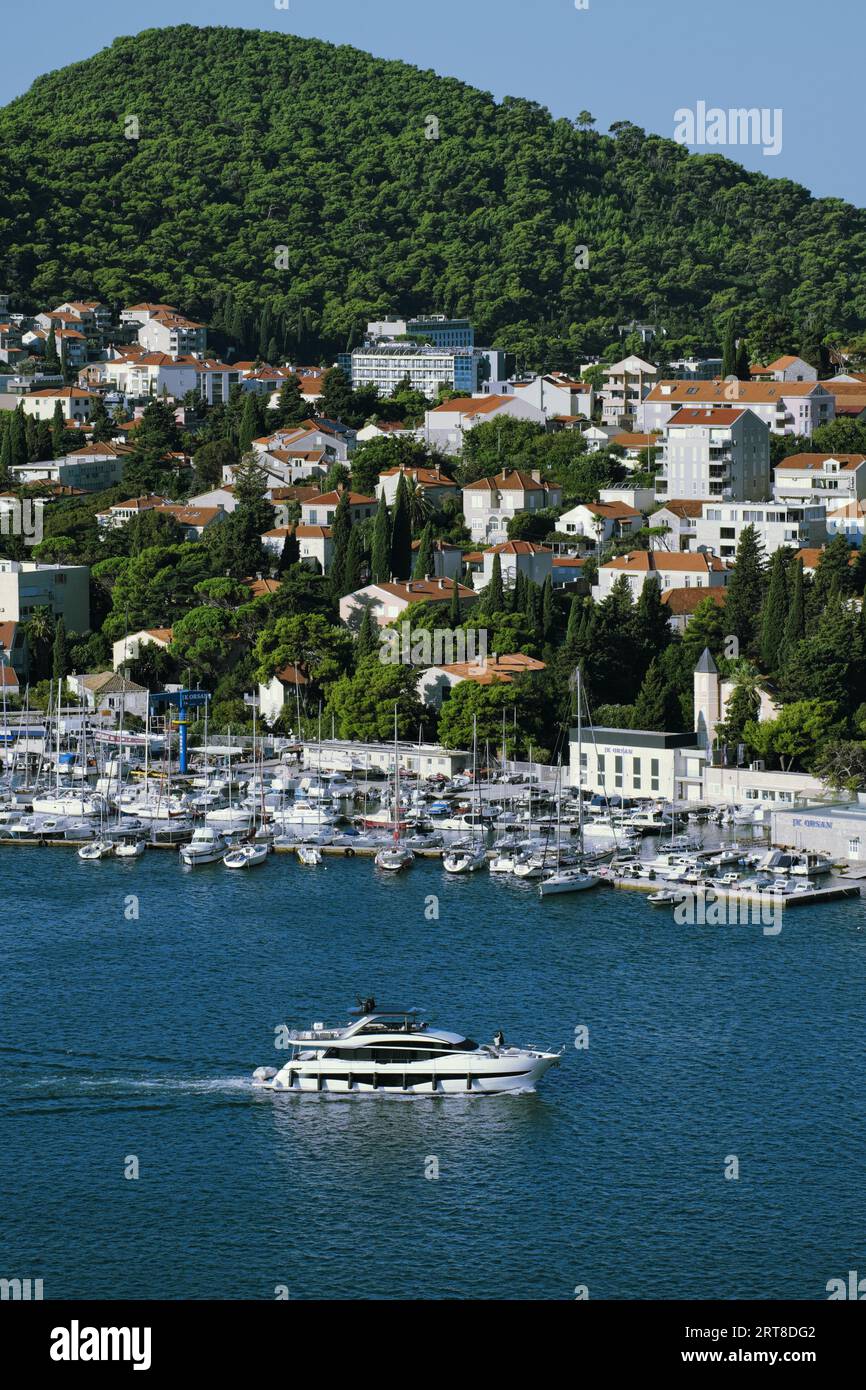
(66, 802)
(207, 846)
(574, 880)
(303, 812)
(394, 858)
(393, 1051)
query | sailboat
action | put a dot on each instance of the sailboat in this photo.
(395, 857)
(465, 859)
(570, 879)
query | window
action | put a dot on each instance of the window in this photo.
(854, 847)
(654, 774)
(617, 771)
(635, 773)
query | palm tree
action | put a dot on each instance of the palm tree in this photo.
(420, 507)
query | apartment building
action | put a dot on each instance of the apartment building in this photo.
(626, 383)
(719, 452)
(795, 524)
(386, 365)
(831, 478)
(26, 585)
(786, 407)
(668, 570)
(784, 369)
(445, 425)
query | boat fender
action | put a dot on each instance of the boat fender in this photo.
(349, 852)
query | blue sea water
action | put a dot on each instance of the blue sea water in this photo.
(127, 1037)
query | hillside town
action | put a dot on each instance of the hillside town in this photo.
(690, 535)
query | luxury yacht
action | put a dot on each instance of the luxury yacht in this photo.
(394, 1051)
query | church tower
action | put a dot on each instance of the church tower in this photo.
(708, 711)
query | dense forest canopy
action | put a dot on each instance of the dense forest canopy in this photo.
(246, 141)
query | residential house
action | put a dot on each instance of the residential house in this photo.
(600, 522)
(168, 331)
(110, 693)
(122, 512)
(784, 369)
(490, 503)
(681, 604)
(92, 468)
(321, 509)
(558, 395)
(635, 444)
(282, 691)
(384, 429)
(75, 403)
(446, 424)
(533, 561)
(436, 486)
(129, 648)
(447, 559)
(679, 515)
(435, 683)
(667, 569)
(193, 521)
(388, 601)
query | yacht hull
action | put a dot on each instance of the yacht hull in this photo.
(499, 1076)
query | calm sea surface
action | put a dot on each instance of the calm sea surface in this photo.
(121, 1037)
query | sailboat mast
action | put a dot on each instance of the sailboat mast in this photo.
(579, 760)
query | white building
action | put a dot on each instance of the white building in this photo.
(637, 763)
(170, 332)
(436, 486)
(716, 453)
(75, 403)
(557, 395)
(784, 369)
(794, 524)
(600, 522)
(389, 601)
(26, 585)
(321, 509)
(668, 569)
(680, 516)
(129, 647)
(445, 425)
(490, 503)
(796, 407)
(92, 468)
(386, 365)
(435, 683)
(533, 561)
(829, 478)
(626, 383)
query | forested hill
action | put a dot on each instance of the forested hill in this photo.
(248, 141)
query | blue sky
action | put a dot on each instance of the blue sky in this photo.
(637, 60)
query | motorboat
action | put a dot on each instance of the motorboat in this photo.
(464, 859)
(663, 899)
(394, 1052)
(69, 803)
(309, 854)
(230, 819)
(206, 847)
(245, 856)
(567, 880)
(531, 866)
(303, 813)
(424, 840)
(394, 858)
(130, 849)
(503, 862)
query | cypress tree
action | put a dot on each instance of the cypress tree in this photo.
(60, 653)
(249, 426)
(424, 560)
(353, 573)
(58, 431)
(380, 559)
(341, 529)
(291, 406)
(745, 592)
(493, 599)
(575, 617)
(368, 637)
(18, 433)
(795, 625)
(652, 628)
(652, 705)
(547, 608)
(455, 616)
(774, 613)
(401, 534)
(742, 363)
(729, 349)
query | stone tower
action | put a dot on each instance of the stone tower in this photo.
(708, 700)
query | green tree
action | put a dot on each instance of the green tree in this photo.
(380, 557)
(745, 592)
(401, 533)
(774, 612)
(60, 654)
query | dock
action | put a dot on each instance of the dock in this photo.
(813, 897)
